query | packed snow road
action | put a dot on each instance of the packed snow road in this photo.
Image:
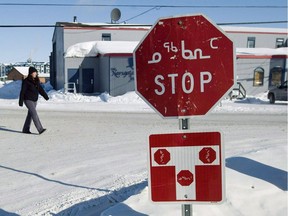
(87, 162)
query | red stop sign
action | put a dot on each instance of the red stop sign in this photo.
(207, 155)
(162, 156)
(184, 66)
(185, 178)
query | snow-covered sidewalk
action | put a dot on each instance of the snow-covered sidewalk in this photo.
(93, 158)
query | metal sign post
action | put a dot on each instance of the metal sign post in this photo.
(187, 210)
(176, 68)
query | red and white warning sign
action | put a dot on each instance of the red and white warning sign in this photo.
(186, 167)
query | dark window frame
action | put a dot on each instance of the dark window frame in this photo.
(251, 42)
(106, 37)
(280, 42)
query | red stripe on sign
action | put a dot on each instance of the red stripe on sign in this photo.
(184, 139)
(163, 184)
(208, 183)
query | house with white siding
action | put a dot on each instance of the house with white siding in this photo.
(106, 59)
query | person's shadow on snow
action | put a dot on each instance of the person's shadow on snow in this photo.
(3, 128)
(4, 213)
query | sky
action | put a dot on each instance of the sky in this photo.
(17, 44)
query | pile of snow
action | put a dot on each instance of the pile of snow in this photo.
(9, 93)
(10, 89)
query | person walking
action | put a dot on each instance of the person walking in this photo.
(30, 90)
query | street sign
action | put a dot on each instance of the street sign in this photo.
(184, 66)
(186, 167)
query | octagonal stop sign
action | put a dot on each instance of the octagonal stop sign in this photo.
(207, 155)
(185, 178)
(162, 156)
(184, 66)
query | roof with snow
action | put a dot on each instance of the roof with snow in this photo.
(112, 25)
(254, 29)
(95, 48)
(262, 51)
(22, 70)
(25, 71)
(148, 26)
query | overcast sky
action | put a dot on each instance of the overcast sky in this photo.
(19, 44)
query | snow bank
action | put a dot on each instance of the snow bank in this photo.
(59, 100)
(10, 89)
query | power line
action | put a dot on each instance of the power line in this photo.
(53, 26)
(143, 6)
(152, 7)
(139, 14)
(28, 26)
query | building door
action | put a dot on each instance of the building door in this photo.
(73, 77)
(88, 80)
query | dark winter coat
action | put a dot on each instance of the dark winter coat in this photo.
(30, 90)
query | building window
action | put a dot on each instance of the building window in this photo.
(279, 42)
(106, 37)
(275, 76)
(251, 42)
(258, 77)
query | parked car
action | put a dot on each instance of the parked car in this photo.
(278, 93)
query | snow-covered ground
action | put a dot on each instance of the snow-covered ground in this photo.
(93, 158)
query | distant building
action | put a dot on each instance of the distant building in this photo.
(2, 72)
(92, 73)
(260, 69)
(20, 73)
(43, 68)
(95, 72)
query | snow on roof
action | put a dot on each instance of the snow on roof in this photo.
(254, 29)
(94, 48)
(262, 51)
(97, 24)
(25, 71)
(22, 70)
(148, 26)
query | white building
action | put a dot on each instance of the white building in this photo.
(109, 67)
